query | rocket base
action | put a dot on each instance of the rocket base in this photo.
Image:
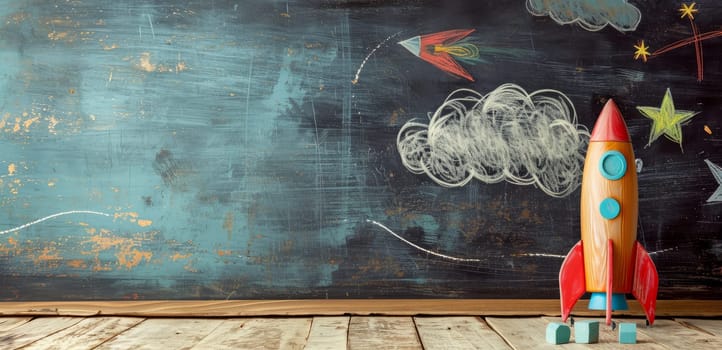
(598, 301)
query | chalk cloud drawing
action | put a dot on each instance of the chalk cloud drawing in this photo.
(508, 134)
(590, 15)
(666, 120)
(687, 11)
(717, 173)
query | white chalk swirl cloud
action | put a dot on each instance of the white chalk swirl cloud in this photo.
(508, 134)
(590, 15)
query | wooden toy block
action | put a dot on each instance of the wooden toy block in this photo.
(586, 332)
(558, 333)
(627, 333)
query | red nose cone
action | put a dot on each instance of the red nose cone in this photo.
(610, 125)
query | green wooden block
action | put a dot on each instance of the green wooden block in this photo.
(627, 333)
(558, 333)
(586, 332)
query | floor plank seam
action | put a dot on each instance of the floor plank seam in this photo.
(308, 335)
(79, 319)
(497, 331)
(694, 327)
(348, 333)
(118, 334)
(200, 341)
(416, 329)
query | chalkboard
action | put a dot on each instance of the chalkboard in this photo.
(345, 149)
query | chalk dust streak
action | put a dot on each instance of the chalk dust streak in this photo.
(72, 212)
(420, 248)
(358, 72)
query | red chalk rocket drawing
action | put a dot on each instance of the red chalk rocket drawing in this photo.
(608, 261)
(442, 49)
(696, 39)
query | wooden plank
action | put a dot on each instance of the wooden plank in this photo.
(8, 323)
(457, 332)
(676, 336)
(341, 307)
(382, 333)
(328, 333)
(709, 326)
(526, 333)
(609, 338)
(34, 330)
(258, 333)
(163, 333)
(86, 334)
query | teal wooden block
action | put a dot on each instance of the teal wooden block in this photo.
(586, 332)
(558, 333)
(627, 333)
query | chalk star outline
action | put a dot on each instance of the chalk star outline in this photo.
(666, 120)
(717, 173)
(642, 51)
(688, 10)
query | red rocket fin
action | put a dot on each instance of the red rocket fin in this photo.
(646, 282)
(610, 281)
(445, 37)
(571, 280)
(445, 62)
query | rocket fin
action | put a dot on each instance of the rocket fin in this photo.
(610, 281)
(445, 37)
(646, 282)
(445, 62)
(571, 280)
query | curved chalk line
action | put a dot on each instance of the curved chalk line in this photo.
(421, 248)
(360, 68)
(14, 229)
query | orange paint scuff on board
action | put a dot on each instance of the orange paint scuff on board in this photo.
(228, 224)
(144, 63)
(49, 256)
(77, 264)
(127, 249)
(177, 256)
(132, 217)
(27, 123)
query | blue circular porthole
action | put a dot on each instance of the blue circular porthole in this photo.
(613, 165)
(609, 208)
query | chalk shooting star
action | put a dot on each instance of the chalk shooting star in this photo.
(443, 49)
(688, 11)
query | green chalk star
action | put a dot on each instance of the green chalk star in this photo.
(666, 120)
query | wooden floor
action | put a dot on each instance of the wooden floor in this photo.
(357, 332)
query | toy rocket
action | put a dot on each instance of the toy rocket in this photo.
(438, 49)
(608, 261)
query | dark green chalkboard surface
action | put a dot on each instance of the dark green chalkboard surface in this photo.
(345, 149)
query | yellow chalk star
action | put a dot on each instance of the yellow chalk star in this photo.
(688, 10)
(666, 120)
(641, 51)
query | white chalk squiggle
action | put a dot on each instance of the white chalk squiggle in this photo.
(53, 216)
(420, 248)
(507, 134)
